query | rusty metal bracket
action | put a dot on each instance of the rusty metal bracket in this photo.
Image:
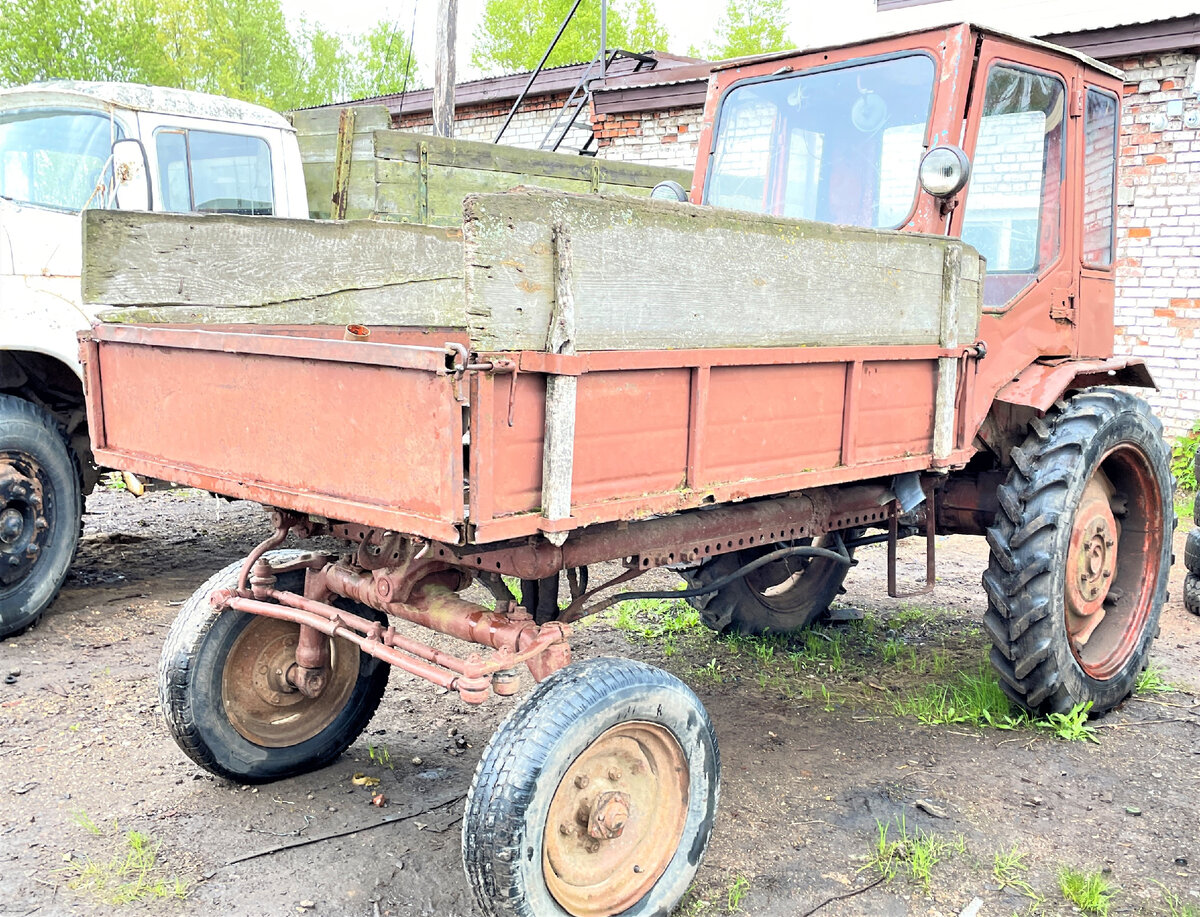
(893, 541)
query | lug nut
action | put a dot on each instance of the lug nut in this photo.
(614, 773)
(32, 551)
(593, 846)
(564, 829)
(582, 781)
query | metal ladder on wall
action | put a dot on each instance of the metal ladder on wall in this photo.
(581, 96)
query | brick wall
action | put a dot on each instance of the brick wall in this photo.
(1158, 231)
(657, 138)
(481, 122)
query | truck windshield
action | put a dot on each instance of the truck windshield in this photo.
(841, 145)
(53, 157)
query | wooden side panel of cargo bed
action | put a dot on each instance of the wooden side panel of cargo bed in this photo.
(651, 275)
(228, 269)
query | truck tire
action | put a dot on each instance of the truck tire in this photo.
(1191, 593)
(556, 770)
(1191, 551)
(40, 511)
(1080, 554)
(781, 598)
(231, 726)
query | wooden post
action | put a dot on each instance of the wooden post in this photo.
(558, 448)
(443, 72)
(947, 376)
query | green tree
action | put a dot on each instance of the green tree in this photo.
(514, 34)
(749, 27)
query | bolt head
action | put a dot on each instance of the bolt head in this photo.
(582, 781)
(564, 829)
(614, 773)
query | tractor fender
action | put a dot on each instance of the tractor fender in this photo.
(1040, 384)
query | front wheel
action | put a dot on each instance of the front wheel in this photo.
(40, 508)
(1080, 554)
(595, 797)
(222, 685)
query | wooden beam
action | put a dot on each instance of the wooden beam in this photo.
(443, 72)
(558, 449)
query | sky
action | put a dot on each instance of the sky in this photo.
(689, 22)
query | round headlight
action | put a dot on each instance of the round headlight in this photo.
(944, 171)
(669, 191)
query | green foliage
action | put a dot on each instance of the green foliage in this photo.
(130, 874)
(1183, 459)
(916, 853)
(974, 698)
(1151, 681)
(1090, 891)
(1072, 726)
(513, 34)
(1010, 870)
(737, 891)
(749, 27)
(237, 48)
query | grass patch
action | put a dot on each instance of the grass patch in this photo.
(1009, 868)
(973, 698)
(1150, 681)
(1088, 891)
(1072, 726)
(914, 853)
(131, 873)
(737, 891)
(1175, 906)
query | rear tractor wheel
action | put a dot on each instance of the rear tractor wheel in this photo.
(782, 597)
(595, 797)
(225, 695)
(1080, 554)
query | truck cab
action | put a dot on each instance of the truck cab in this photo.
(66, 147)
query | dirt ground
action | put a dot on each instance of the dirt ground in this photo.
(815, 758)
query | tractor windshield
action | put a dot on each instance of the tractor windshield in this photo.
(53, 157)
(840, 145)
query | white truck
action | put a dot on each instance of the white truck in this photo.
(66, 147)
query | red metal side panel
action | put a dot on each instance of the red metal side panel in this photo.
(306, 426)
(896, 409)
(767, 421)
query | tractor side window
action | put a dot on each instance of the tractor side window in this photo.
(1014, 202)
(1099, 177)
(214, 172)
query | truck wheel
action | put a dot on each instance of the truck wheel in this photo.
(1191, 593)
(596, 796)
(40, 509)
(1191, 552)
(226, 704)
(781, 598)
(1080, 554)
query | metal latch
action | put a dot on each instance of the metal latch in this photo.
(1062, 305)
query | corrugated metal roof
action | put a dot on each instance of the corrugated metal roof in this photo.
(138, 97)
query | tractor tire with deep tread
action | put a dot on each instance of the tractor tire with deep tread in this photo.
(754, 604)
(37, 539)
(193, 688)
(1191, 593)
(528, 765)
(1099, 441)
(1191, 551)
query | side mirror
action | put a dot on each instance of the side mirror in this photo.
(131, 176)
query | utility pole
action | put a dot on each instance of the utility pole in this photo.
(443, 71)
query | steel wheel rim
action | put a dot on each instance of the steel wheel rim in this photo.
(259, 702)
(1116, 539)
(776, 584)
(633, 779)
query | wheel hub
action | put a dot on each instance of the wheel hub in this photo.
(616, 820)
(261, 702)
(1092, 559)
(22, 523)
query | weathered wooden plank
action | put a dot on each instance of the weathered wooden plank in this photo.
(665, 275)
(322, 148)
(558, 449)
(325, 120)
(468, 154)
(161, 260)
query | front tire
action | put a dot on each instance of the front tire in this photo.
(595, 797)
(40, 509)
(227, 714)
(1080, 554)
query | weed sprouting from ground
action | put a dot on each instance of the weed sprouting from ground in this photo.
(381, 756)
(1151, 681)
(1009, 868)
(132, 872)
(737, 891)
(1175, 906)
(915, 853)
(1072, 726)
(1088, 891)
